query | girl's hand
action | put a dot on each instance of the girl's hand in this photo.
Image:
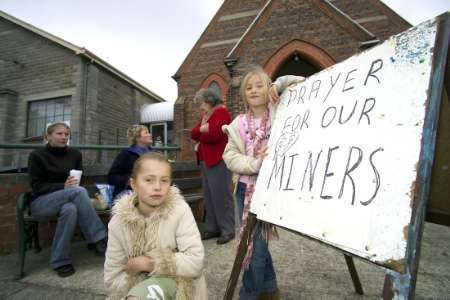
(262, 153)
(139, 264)
(273, 95)
(204, 127)
(70, 182)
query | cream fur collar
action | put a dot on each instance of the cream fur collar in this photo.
(126, 208)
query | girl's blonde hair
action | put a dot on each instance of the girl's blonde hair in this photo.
(255, 71)
(134, 132)
(149, 156)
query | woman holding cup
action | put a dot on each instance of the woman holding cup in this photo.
(55, 192)
(77, 175)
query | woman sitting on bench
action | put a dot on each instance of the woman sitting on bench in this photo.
(55, 193)
(119, 174)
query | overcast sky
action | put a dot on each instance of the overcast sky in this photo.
(149, 41)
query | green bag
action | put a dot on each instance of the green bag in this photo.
(155, 288)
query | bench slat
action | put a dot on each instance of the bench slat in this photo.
(188, 183)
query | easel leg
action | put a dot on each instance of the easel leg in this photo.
(397, 286)
(354, 274)
(240, 255)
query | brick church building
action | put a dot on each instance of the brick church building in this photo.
(299, 37)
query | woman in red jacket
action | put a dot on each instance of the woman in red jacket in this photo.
(216, 177)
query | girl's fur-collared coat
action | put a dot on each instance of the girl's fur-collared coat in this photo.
(169, 236)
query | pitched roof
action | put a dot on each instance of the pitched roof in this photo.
(82, 52)
(341, 18)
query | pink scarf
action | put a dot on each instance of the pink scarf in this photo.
(254, 140)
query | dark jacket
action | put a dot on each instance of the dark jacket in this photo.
(121, 168)
(49, 168)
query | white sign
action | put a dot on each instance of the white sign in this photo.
(344, 150)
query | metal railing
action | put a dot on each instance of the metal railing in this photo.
(17, 160)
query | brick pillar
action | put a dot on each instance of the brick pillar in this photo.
(180, 133)
(10, 188)
(234, 101)
(8, 125)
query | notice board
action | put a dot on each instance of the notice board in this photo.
(345, 147)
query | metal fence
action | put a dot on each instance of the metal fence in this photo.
(97, 159)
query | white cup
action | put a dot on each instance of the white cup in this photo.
(77, 174)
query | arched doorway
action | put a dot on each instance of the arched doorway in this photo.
(298, 58)
(296, 65)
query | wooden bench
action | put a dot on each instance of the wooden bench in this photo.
(28, 225)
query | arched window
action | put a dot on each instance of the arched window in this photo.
(216, 83)
(214, 86)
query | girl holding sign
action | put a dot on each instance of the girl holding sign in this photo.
(247, 145)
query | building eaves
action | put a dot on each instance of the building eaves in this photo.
(249, 28)
(364, 36)
(82, 52)
(393, 16)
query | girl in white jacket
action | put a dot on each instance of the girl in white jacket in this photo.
(247, 145)
(154, 245)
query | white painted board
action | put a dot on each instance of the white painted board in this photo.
(345, 146)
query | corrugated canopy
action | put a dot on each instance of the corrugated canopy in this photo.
(157, 112)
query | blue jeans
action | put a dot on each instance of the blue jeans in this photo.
(70, 205)
(260, 277)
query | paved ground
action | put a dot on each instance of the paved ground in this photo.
(305, 268)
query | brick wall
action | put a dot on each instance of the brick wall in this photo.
(283, 22)
(11, 186)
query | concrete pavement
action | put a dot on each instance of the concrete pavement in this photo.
(306, 269)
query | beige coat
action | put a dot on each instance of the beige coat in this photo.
(234, 154)
(169, 236)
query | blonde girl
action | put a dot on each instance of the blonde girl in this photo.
(247, 145)
(154, 245)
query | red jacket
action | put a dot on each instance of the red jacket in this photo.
(213, 142)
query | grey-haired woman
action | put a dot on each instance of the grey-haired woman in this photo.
(211, 142)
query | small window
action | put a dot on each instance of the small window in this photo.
(43, 112)
(215, 88)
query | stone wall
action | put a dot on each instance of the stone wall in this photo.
(34, 68)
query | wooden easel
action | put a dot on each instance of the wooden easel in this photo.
(237, 265)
